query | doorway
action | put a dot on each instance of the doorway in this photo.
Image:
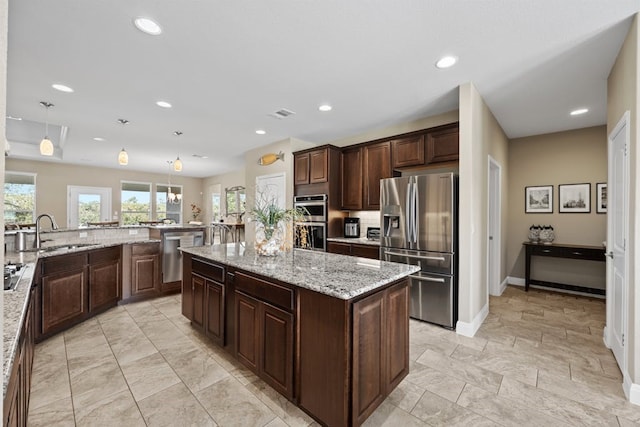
(494, 249)
(617, 236)
(87, 204)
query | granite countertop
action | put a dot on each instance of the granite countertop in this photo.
(339, 276)
(15, 305)
(359, 240)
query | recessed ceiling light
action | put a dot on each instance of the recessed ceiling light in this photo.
(97, 138)
(579, 111)
(261, 132)
(61, 87)
(14, 118)
(446, 62)
(147, 26)
(325, 107)
(163, 104)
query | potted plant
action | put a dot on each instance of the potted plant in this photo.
(273, 225)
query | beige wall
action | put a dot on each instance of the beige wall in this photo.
(53, 178)
(480, 136)
(623, 87)
(571, 157)
(227, 180)
(4, 15)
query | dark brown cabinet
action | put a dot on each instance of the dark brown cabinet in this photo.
(377, 166)
(354, 249)
(145, 269)
(311, 167)
(198, 291)
(215, 313)
(104, 278)
(442, 145)
(351, 172)
(408, 151)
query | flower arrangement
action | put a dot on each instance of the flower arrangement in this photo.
(273, 223)
(195, 211)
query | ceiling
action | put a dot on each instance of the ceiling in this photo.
(225, 66)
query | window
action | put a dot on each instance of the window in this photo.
(19, 198)
(169, 202)
(215, 202)
(136, 202)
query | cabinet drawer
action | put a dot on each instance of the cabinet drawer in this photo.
(584, 253)
(365, 251)
(64, 263)
(208, 270)
(105, 255)
(145, 248)
(547, 251)
(266, 291)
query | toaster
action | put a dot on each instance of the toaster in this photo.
(373, 233)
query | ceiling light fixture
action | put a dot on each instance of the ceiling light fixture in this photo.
(325, 107)
(97, 138)
(14, 118)
(123, 157)
(446, 62)
(46, 146)
(62, 88)
(579, 111)
(261, 132)
(147, 26)
(163, 104)
(177, 163)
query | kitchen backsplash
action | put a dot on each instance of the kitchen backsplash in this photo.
(80, 235)
(367, 219)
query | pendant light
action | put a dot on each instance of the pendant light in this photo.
(123, 157)
(46, 146)
(173, 198)
(177, 164)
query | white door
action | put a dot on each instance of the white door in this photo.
(617, 219)
(493, 227)
(87, 204)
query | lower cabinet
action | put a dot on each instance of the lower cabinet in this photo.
(145, 269)
(104, 278)
(354, 249)
(16, 399)
(204, 298)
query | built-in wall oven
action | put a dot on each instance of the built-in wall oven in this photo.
(312, 232)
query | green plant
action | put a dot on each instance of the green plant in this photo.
(267, 212)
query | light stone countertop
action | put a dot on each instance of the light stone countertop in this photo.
(359, 240)
(16, 300)
(339, 276)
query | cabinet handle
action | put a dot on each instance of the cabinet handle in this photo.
(577, 253)
(546, 251)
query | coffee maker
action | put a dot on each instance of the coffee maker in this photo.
(352, 227)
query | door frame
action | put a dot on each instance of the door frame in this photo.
(625, 121)
(494, 223)
(105, 203)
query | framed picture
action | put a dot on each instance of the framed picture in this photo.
(574, 198)
(601, 197)
(538, 199)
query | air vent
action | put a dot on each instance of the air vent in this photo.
(282, 113)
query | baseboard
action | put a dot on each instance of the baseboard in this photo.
(470, 329)
(504, 284)
(605, 337)
(519, 281)
(631, 390)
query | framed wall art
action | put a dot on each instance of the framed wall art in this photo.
(601, 197)
(574, 198)
(538, 199)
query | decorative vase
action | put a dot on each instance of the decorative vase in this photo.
(534, 233)
(270, 239)
(547, 235)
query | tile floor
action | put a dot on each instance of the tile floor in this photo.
(537, 360)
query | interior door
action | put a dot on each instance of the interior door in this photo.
(617, 262)
(87, 204)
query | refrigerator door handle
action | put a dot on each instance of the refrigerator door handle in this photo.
(430, 258)
(407, 214)
(427, 279)
(415, 212)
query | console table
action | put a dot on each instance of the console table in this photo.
(557, 250)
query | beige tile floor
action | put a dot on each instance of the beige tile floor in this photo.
(538, 360)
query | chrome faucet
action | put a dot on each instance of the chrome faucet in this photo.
(54, 226)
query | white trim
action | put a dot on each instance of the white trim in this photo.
(517, 281)
(470, 329)
(503, 285)
(631, 390)
(605, 337)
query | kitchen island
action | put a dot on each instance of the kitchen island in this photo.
(329, 332)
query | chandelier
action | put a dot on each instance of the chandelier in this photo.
(173, 198)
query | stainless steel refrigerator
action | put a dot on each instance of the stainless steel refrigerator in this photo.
(418, 216)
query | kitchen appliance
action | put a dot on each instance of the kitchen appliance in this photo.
(419, 226)
(314, 222)
(12, 275)
(373, 233)
(352, 227)
(172, 257)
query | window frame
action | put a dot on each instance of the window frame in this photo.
(35, 191)
(151, 200)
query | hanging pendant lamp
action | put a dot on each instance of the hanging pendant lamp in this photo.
(46, 146)
(177, 165)
(123, 157)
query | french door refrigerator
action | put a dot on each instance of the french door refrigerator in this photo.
(418, 216)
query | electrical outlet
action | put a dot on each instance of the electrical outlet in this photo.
(83, 234)
(133, 232)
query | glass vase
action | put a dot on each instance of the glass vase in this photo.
(270, 239)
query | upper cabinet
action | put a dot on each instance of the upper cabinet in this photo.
(351, 172)
(408, 151)
(377, 166)
(442, 145)
(311, 167)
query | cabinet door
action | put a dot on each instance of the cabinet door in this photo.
(104, 285)
(144, 274)
(369, 356)
(277, 349)
(351, 171)
(318, 166)
(247, 330)
(365, 251)
(301, 169)
(64, 299)
(198, 289)
(339, 248)
(442, 145)
(214, 324)
(397, 334)
(377, 165)
(408, 151)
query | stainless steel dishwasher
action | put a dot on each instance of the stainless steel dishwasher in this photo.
(172, 257)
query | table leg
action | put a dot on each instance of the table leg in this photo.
(527, 268)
